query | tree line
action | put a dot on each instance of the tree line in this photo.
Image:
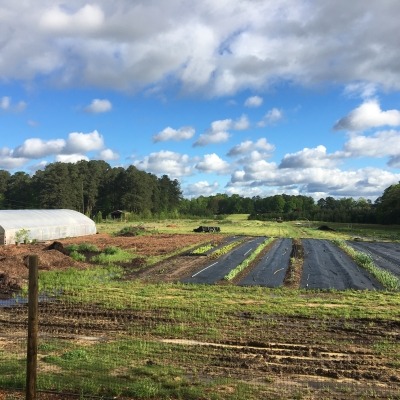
(91, 187)
(96, 188)
(385, 210)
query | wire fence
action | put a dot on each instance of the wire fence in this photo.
(154, 350)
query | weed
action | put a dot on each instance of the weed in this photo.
(75, 255)
(202, 249)
(113, 255)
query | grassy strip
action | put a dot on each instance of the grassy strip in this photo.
(202, 249)
(247, 262)
(226, 249)
(364, 260)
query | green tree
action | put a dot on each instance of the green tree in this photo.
(60, 186)
(4, 178)
(18, 193)
(388, 205)
(92, 174)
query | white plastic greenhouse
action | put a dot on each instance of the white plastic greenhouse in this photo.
(42, 225)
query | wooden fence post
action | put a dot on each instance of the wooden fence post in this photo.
(31, 364)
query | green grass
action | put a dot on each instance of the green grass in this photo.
(225, 249)
(71, 279)
(237, 224)
(103, 286)
(202, 249)
(113, 255)
(247, 262)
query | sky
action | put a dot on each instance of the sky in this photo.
(248, 97)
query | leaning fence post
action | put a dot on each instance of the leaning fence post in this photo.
(31, 364)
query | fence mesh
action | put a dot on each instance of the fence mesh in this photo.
(149, 348)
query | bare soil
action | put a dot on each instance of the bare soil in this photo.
(275, 351)
(14, 272)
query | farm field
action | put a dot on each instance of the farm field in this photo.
(130, 327)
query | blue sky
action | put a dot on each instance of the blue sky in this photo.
(249, 97)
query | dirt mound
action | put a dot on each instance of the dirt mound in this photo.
(13, 269)
(132, 231)
(57, 246)
(14, 273)
(325, 228)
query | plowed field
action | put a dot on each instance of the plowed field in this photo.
(332, 358)
(330, 355)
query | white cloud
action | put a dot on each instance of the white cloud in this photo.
(6, 105)
(169, 133)
(38, 148)
(306, 158)
(108, 155)
(8, 161)
(365, 90)
(380, 144)
(99, 106)
(368, 115)
(271, 117)
(71, 158)
(218, 133)
(368, 182)
(214, 48)
(241, 124)
(254, 101)
(249, 146)
(166, 162)
(212, 163)
(83, 142)
(58, 20)
(41, 165)
(201, 188)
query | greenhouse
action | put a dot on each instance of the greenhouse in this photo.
(17, 226)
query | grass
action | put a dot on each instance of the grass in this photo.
(202, 249)
(103, 286)
(237, 224)
(247, 262)
(225, 249)
(113, 255)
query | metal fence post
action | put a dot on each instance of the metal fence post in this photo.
(31, 364)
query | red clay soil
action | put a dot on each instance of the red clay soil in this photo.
(14, 273)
